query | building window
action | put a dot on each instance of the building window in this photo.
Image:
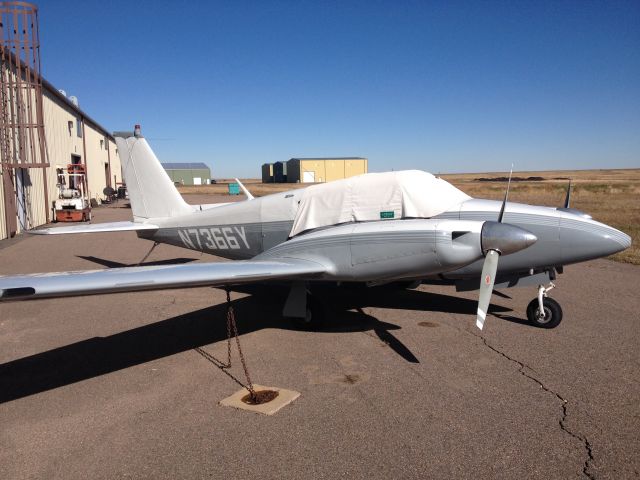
(60, 177)
(78, 128)
(101, 144)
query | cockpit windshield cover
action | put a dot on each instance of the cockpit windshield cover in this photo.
(375, 196)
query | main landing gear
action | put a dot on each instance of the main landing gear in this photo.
(543, 311)
(304, 308)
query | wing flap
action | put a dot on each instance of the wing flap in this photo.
(66, 284)
(96, 228)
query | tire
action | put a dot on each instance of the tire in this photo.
(314, 318)
(552, 310)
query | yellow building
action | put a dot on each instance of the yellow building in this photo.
(318, 170)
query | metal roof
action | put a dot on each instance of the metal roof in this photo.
(184, 166)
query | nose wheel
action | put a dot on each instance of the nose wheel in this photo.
(544, 311)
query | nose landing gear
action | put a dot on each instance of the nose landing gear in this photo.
(544, 311)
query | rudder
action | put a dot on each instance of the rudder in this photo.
(151, 192)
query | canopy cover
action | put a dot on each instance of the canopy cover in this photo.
(375, 196)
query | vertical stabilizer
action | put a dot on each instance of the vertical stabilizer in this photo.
(151, 191)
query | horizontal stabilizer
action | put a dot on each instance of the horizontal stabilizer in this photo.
(130, 279)
(96, 228)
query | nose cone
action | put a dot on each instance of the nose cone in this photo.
(616, 240)
(505, 238)
(608, 241)
(584, 239)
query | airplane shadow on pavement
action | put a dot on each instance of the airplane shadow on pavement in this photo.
(114, 264)
(101, 355)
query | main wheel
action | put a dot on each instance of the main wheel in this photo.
(552, 313)
(314, 317)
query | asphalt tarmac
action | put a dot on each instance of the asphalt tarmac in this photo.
(398, 384)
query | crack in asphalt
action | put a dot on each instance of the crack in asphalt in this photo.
(565, 413)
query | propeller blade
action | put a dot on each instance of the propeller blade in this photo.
(567, 199)
(506, 195)
(489, 270)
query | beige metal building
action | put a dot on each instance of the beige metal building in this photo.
(71, 137)
(42, 131)
(318, 170)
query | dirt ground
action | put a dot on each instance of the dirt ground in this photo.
(398, 384)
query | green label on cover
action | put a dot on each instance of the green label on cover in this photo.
(386, 214)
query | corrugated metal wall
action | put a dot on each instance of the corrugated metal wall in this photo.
(355, 167)
(64, 137)
(325, 170)
(186, 176)
(33, 192)
(116, 166)
(97, 159)
(61, 130)
(3, 226)
(267, 173)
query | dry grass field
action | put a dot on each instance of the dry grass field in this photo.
(610, 196)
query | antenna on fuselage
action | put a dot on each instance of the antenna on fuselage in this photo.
(506, 196)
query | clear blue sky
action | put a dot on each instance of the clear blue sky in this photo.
(439, 86)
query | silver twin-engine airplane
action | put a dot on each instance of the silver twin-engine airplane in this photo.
(377, 228)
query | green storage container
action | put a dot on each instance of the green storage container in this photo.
(234, 189)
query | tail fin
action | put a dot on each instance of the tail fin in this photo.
(151, 191)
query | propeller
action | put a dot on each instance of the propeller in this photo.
(506, 196)
(567, 199)
(498, 238)
(489, 269)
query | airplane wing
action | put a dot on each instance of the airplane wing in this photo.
(115, 280)
(95, 228)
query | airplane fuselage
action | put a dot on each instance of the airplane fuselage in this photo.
(394, 248)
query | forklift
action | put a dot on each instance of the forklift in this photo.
(73, 203)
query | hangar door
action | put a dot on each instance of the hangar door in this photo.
(308, 177)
